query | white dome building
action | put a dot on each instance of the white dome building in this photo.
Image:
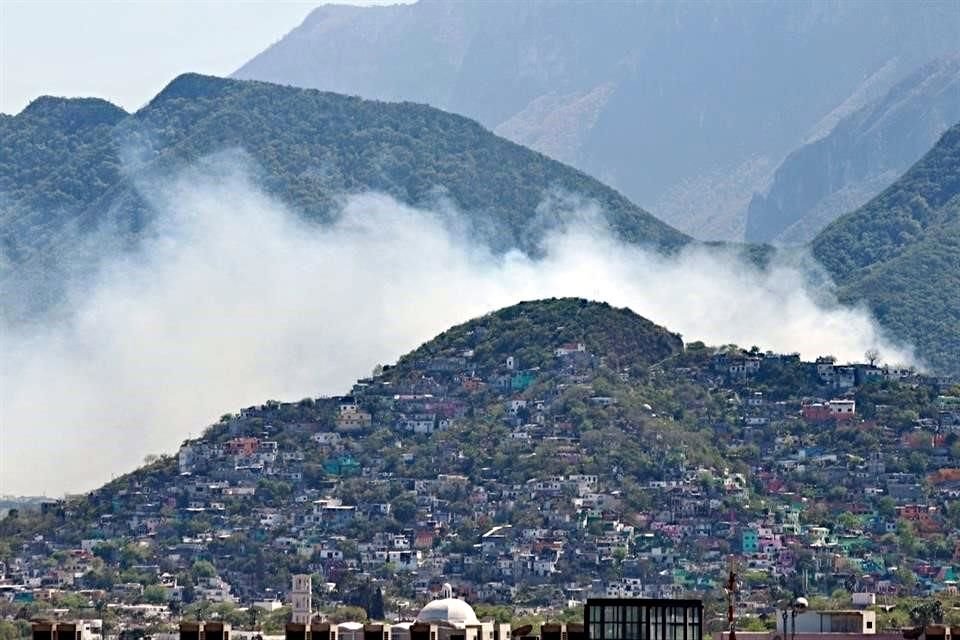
(449, 618)
(452, 611)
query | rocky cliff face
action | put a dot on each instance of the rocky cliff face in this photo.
(863, 154)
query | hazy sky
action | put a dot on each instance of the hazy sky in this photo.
(127, 51)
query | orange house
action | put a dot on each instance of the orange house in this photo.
(924, 518)
(243, 447)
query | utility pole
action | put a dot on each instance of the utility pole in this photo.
(731, 589)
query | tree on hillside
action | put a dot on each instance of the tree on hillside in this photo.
(203, 569)
(927, 613)
(347, 614)
(886, 507)
(376, 605)
(155, 594)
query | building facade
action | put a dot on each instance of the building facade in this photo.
(643, 619)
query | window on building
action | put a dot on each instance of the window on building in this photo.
(656, 623)
(596, 629)
(675, 623)
(633, 627)
(612, 620)
(693, 623)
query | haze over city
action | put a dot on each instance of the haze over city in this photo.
(480, 320)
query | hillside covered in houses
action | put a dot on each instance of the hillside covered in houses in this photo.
(532, 457)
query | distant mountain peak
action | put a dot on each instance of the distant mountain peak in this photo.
(859, 157)
(675, 128)
(193, 85)
(73, 112)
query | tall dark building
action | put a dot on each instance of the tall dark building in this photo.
(643, 619)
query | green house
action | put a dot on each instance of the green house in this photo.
(344, 465)
(521, 380)
(683, 578)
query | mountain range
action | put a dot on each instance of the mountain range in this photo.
(74, 171)
(554, 446)
(77, 169)
(687, 108)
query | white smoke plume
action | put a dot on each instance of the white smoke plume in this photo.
(233, 300)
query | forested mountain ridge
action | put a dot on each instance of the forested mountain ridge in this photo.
(75, 165)
(60, 183)
(691, 132)
(863, 154)
(900, 254)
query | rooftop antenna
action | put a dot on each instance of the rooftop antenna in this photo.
(731, 588)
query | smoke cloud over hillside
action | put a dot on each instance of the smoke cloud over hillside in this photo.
(233, 300)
